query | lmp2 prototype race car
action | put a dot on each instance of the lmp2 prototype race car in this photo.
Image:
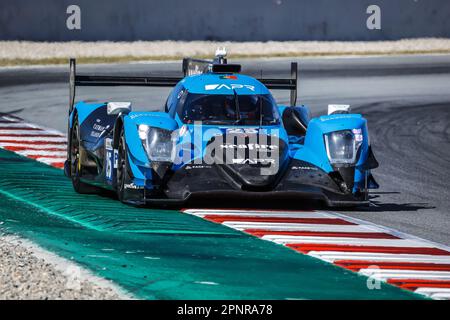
(221, 133)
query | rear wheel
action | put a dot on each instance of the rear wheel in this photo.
(75, 163)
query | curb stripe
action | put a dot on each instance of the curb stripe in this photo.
(413, 284)
(23, 128)
(305, 248)
(357, 265)
(316, 215)
(35, 143)
(296, 227)
(36, 148)
(47, 153)
(34, 139)
(392, 243)
(365, 235)
(378, 257)
(355, 245)
(30, 134)
(230, 218)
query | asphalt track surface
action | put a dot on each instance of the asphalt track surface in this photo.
(405, 99)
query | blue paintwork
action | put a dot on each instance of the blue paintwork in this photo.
(314, 151)
(310, 149)
(83, 110)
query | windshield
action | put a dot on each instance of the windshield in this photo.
(230, 109)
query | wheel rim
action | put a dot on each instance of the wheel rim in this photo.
(75, 151)
(121, 166)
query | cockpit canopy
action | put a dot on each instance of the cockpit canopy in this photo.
(229, 109)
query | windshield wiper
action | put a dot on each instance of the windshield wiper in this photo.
(238, 111)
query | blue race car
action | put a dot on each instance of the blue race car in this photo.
(221, 134)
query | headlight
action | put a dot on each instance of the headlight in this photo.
(342, 146)
(159, 144)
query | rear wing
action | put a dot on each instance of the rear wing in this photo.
(190, 67)
(107, 81)
(197, 66)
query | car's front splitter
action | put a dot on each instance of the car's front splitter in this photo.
(299, 180)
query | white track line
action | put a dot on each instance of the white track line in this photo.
(332, 256)
(299, 227)
(36, 138)
(439, 296)
(61, 154)
(313, 215)
(347, 241)
(414, 274)
(24, 132)
(410, 275)
(17, 125)
(201, 212)
(426, 290)
(11, 119)
(392, 231)
(33, 146)
(51, 160)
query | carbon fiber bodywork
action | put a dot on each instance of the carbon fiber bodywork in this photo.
(298, 180)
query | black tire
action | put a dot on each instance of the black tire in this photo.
(122, 175)
(75, 165)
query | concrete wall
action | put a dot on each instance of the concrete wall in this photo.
(241, 20)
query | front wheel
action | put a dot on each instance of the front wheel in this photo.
(75, 162)
(123, 177)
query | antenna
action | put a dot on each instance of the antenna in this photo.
(221, 55)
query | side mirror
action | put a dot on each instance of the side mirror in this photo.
(338, 108)
(118, 107)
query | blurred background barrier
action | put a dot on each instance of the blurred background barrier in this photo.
(234, 20)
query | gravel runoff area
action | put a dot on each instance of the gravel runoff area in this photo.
(27, 52)
(29, 272)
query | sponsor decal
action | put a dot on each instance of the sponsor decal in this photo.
(253, 161)
(99, 127)
(232, 86)
(338, 116)
(250, 146)
(358, 134)
(109, 155)
(183, 130)
(242, 130)
(108, 144)
(190, 167)
(229, 77)
(95, 134)
(132, 186)
(116, 157)
(303, 168)
(138, 115)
